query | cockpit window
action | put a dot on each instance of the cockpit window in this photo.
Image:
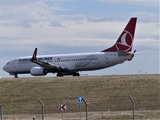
(8, 63)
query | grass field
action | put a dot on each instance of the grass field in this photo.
(102, 93)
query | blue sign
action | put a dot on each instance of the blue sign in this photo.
(80, 99)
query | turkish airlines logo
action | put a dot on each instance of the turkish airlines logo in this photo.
(125, 41)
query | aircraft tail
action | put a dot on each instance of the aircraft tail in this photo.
(125, 40)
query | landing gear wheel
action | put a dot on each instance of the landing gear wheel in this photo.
(15, 76)
(76, 74)
(60, 75)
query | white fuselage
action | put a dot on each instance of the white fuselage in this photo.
(72, 62)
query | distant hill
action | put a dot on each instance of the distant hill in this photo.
(102, 93)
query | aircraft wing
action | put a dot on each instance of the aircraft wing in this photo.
(45, 64)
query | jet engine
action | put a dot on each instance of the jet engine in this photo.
(38, 71)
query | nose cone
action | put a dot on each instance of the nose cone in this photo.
(5, 68)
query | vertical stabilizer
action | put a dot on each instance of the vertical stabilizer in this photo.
(126, 38)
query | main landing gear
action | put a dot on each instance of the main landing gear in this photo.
(62, 74)
(75, 74)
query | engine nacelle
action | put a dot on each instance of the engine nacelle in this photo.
(38, 71)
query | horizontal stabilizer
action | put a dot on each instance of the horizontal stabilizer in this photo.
(122, 53)
(145, 51)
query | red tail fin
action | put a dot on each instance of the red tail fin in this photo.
(34, 57)
(125, 40)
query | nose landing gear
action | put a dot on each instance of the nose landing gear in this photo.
(15, 76)
(60, 75)
(75, 74)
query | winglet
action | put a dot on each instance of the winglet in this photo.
(34, 57)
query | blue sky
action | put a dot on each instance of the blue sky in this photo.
(73, 26)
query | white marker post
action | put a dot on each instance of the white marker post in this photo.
(62, 107)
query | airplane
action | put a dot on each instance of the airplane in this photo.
(72, 64)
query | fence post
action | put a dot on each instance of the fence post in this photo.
(1, 112)
(34, 117)
(42, 108)
(133, 106)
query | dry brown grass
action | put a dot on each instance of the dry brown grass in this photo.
(19, 96)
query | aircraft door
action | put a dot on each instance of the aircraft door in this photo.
(14, 64)
(58, 60)
(107, 58)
